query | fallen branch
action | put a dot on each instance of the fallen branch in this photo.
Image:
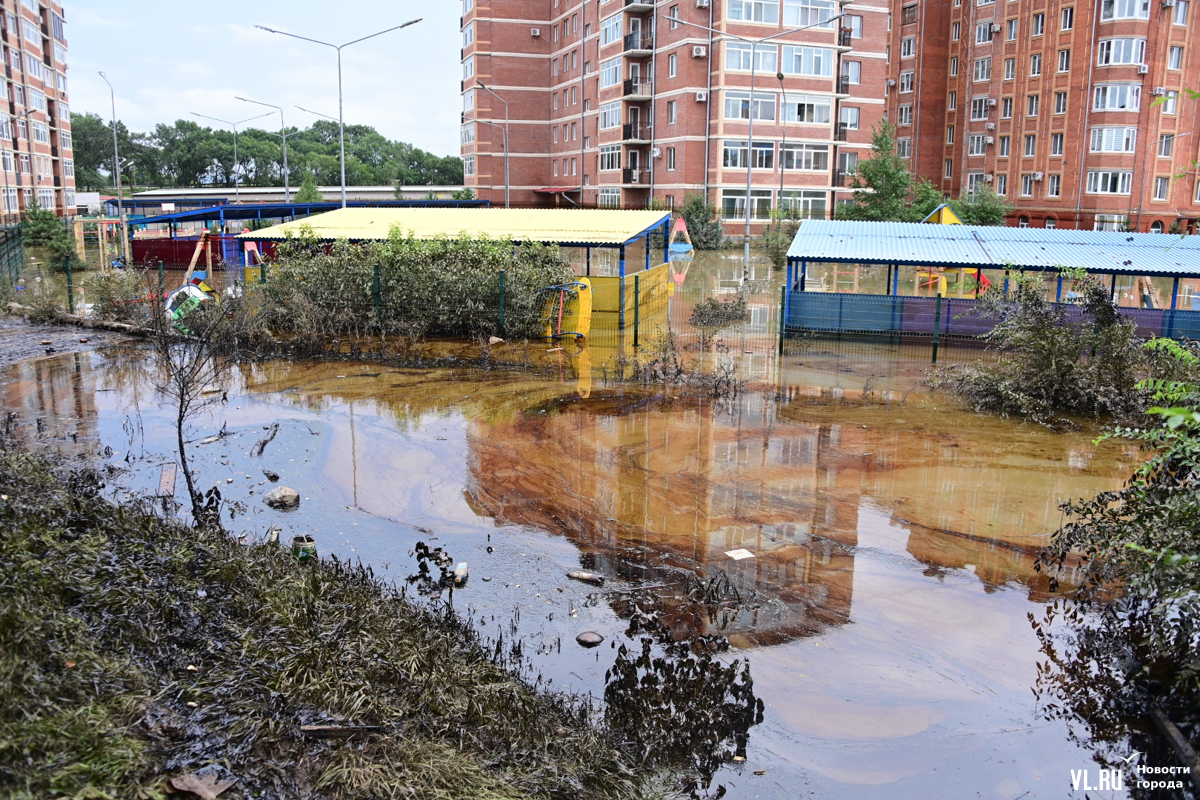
(261, 444)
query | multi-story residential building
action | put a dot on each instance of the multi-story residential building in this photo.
(35, 134)
(621, 103)
(1072, 110)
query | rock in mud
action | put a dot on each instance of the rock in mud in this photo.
(589, 639)
(273, 477)
(283, 497)
(586, 577)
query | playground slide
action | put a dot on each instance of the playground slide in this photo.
(568, 309)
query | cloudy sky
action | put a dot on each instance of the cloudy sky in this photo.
(166, 58)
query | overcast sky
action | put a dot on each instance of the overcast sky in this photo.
(166, 58)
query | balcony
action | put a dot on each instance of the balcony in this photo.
(57, 181)
(54, 150)
(639, 88)
(639, 5)
(635, 132)
(845, 37)
(639, 43)
(839, 132)
(839, 177)
(635, 177)
(843, 84)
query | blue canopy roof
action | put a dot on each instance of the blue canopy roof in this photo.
(997, 247)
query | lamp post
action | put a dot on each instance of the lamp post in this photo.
(117, 172)
(338, 48)
(287, 187)
(237, 193)
(480, 84)
(783, 145)
(494, 125)
(754, 43)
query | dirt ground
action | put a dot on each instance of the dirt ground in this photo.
(21, 340)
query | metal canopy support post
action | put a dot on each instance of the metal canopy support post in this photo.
(1112, 292)
(588, 260)
(896, 280)
(803, 273)
(621, 275)
(1174, 294)
(667, 239)
(647, 250)
(1058, 293)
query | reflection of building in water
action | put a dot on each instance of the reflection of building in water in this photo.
(652, 492)
(54, 399)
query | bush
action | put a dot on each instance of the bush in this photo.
(702, 223)
(779, 235)
(118, 295)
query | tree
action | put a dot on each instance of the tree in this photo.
(465, 193)
(308, 190)
(701, 219)
(91, 139)
(981, 207)
(43, 228)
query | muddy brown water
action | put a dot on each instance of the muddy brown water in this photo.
(883, 606)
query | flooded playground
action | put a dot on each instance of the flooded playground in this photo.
(868, 546)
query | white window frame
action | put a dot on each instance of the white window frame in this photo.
(1115, 182)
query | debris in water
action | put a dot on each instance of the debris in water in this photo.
(494, 340)
(210, 390)
(460, 573)
(589, 639)
(210, 440)
(207, 786)
(282, 497)
(739, 554)
(273, 534)
(304, 547)
(586, 577)
(273, 477)
(46, 342)
(261, 444)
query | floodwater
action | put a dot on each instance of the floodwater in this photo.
(891, 535)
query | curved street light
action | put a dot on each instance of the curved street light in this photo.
(117, 172)
(237, 194)
(287, 187)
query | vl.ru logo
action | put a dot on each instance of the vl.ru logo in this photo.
(1105, 780)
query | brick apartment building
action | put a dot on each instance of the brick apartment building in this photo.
(1051, 102)
(614, 103)
(35, 134)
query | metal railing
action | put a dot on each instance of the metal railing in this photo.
(840, 131)
(635, 132)
(638, 176)
(843, 84)
(642, 87)
(639, 40)
(845, 35)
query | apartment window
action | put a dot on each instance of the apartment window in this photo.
(1124, 9)
(1166, 145)
(1068, 19)
(1161, 187)
(1010, 69)
(738, 54)
(610, 157)
(554, 168)
(733, 204)
(1121, 51)
(1039, 24)
(973, 180)
(856, 26)
(819, 13)
(608, 198)
(848, 163)
(1026, 191)
(32, 34)
(673, 14)
(556, 31)
(1053, 189)
(754, 10)
(64, 139)
(672, 65)
(954, 66)
(467, 133)
(906, 81)
(610, 73)
(553, 67)
(1056, 144)
(904, 148)
(976, 145)
(1169, 100)
(908, 46)
(851, 71)
(1001, 184)
(809, 205)
(948, 168)
(1064, 60)
(812, 157)
(1117, 97)
(554, 101)
(810, 61)
(1060, 102)
(979, 108)
(34, 67)
(952, 102)
(1011, 32)
(670, 158)
(1175, 58)
(1035, 65)
(671, 112)
(813, 109)
(1006, 108)
(904, 114)
(1181, 11)
(949, 134)
(908, 14)
(610, 116)
(849, 117)
(468, 68)
(468, 34)
(983, 69)
(983, 32)
(6, 160)
(735, 154)
(1031, 105)
(60, 54)
(610, 29)
(1114, 140)
(738, 105)
(37, 99)
(468, 165)
(24, 157)
(1109, 182)
(1005, 144)
(554, 135)
(1030, 144)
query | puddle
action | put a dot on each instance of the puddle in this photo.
(890, 541)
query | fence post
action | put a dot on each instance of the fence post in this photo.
(70, 289)
(636, 306)
(783, 296)
(937, 324)
(161, 288)
(378, 304)
(262, 272)
(501, 302)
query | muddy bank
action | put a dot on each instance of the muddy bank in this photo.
(21, 340)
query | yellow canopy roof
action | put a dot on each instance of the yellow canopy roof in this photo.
(560, 226)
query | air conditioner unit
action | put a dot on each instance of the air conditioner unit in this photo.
(656, 152)
(995, 28)
(1168, 3)
(1159, 91)
(699, 51)
(992, 102)
(535, 32)
(1143, 69)
(1037, 176)
(701, 3)
(891, 81)
(991, 126)
(988, 178)
(701, 97)
(990, 139)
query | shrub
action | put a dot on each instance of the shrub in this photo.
(118, 295)
(702, 223)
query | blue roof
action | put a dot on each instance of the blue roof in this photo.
(997, 247)
(284, 211)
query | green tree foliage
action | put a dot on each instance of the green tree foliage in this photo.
(308, 190)
(779, 235)
(894, 195)
(703, 226)
(465, 193)
(43, 228)
(185, 154)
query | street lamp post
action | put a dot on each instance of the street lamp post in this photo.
(237, 183)
(479, 83)
(287, 187)
(504, 133)
(783, 145)
(338, 48)
(117, 172)
(750, 143)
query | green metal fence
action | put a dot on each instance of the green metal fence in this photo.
(12, 253)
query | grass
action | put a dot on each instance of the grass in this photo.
(133, 649)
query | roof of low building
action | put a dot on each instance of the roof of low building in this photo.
(997, 247)
(560, 226)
